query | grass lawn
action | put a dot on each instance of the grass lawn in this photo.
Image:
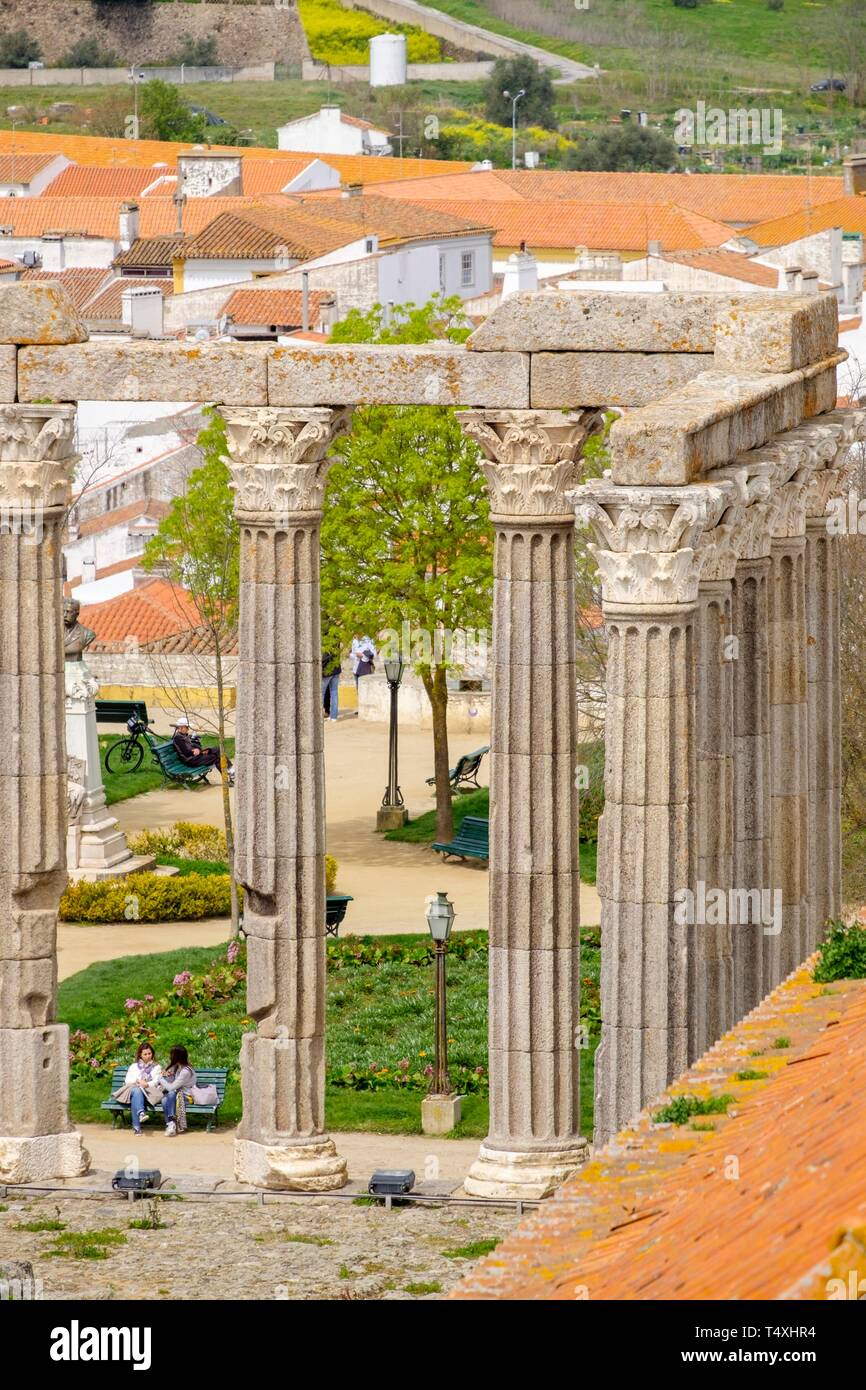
(120, 786)
(376, 1014)
(422, 830)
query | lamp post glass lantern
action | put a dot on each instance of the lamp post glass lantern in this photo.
(440, 919)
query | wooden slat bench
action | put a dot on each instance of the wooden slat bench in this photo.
(465, 771)
(120, 711)
(173, 768)
(335, 912)
(206, 1076)
(472, 840)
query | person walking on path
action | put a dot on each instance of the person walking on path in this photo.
(331, 670)
(363, 657)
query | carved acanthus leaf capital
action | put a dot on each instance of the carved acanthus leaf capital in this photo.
(530, 458)
(278, 457)
(651, 538)
(36, 460)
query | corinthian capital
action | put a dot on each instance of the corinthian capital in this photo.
(277, 457)
(652, 539)
(36, 457)
(530, 458)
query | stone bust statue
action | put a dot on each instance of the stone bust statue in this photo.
(76, 637)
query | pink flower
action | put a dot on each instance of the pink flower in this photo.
(428, 1071)
(479, 1071)
(183, 978)
(93, 1062)
(233, 952)
(403, 1064)
(148, 998)
(374, 1066)
(132, 1004)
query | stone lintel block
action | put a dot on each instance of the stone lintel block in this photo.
(283, 1081)
(28, 989)
(776, 333)
(628, 379)
(644, 983)
(39, 1159)
(535, 825)
(285, 983)
(645, 853)
(219, 373)
(278, 699)
(31, 725)
(34, 313)
(712, 419)
(8, 373)
(417, 374)
(34, 1091)
(536, 998)
(534, 1096)
(534, 912)
(590, 320)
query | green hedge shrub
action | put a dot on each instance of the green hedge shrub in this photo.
(148, 897)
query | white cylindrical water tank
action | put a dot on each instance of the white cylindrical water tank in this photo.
(388, 60)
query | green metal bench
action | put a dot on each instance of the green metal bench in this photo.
(335, 912)
(213, 1076)
(465, 771)
(472, 840)
(173, 767)
(120, 711)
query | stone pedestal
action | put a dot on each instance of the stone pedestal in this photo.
(391, 817)
(96, 847)
(530, 459)
(440, 1114)
(278, 472)
(36, 460)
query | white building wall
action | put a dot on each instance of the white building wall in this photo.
(204, 275)
(63, 253)
(320, 135)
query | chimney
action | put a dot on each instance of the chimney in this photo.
(521, 272)
(354, 190)
(142, 310)
(129, 224)
(809, 282)
(654, 248)
(793, 278)
(88, 569)
(854, 174)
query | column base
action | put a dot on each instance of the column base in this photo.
(531, 1175)
(391, 817)
(38, 1158)
(313, 1167)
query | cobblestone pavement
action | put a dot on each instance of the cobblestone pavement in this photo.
(301, 1248)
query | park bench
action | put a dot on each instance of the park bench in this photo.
(472, 840)
(120, 711)
(213, 1076)
(335, 912)
(465, 771)
(173, 768)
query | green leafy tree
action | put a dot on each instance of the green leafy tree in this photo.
(197, 546)
(406, 538)
(18, 49)
(197, 53)
(626, 148)
(514, 75)
(90, 53)
(165, 114)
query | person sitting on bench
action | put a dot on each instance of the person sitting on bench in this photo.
(177, 1079)
(140, 1088)
(190, 751)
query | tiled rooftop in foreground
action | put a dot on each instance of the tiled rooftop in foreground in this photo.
(769, 1203)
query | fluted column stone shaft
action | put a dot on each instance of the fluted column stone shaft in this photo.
(278, 470)
(529, 459)
(36, 462)
(650, 563)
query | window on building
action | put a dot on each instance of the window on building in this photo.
(467, 268)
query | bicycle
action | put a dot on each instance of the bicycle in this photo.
(127, 754)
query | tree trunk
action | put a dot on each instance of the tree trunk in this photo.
(437, 694)
(227, 808)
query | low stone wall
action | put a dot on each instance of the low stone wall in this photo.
(468, 710)
(119, 77)
(415, 72)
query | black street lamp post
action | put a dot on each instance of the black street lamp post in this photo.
(440, 919)
(392, 813)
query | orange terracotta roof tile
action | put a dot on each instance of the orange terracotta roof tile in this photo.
(260, 232)
(152, 509)
(731, 264)
(272, 175)
(108, 304)
(394, 218)
(560, 223)
(87, 181)
(100, 217)
(280, 307)
(155, 609)
(18, 167)
(80, 284)
(106, 151)
(848, 213)
(119, 567)
(659, 1213)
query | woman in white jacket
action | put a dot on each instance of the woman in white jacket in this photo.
(144, 1072)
